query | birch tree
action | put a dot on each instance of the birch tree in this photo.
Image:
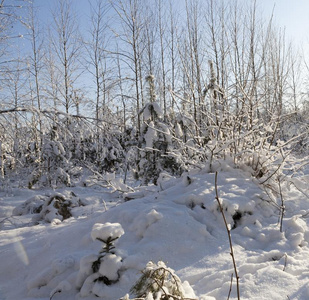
(35, 69)
(131, 22)
(96, 47)
(66, 44)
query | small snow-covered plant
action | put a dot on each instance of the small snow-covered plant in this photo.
(160, 282)
(55, 207)
(106, 233)
(98, 271)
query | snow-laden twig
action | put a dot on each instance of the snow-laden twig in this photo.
(107, 183)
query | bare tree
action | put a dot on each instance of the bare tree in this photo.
(150, 36)
(96, 48)
(172, 46)
(129, 13)
(162, 25)
(9, 16)
(52, 79)
(190, 42)
(66, 44)
(15, 83)
(35, 66)
(295, 80)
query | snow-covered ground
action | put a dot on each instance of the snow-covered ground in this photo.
(177, 222)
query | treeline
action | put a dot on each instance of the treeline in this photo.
(149, 87)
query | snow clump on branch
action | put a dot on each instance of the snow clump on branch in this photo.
(107, 230)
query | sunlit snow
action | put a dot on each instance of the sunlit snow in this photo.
(177, 222)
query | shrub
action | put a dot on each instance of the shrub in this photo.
(98, 271)
(160, 282)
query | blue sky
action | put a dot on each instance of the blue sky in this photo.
(289, 14)
(293, 15)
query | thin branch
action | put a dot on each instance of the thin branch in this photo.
(229, 236)
(285, 261)
(53, 111)
(282, 207)
(56, 292)
(230, 290)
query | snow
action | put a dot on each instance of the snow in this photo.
(150, 135)
(150, 108)
(178, 130)
(157, 109)
(110, 266)
(177, 223)
(107, 230)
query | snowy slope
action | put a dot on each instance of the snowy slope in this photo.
(177, 222)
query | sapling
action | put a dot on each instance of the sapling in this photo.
(97, 271)
(106, 233)
(108, 247)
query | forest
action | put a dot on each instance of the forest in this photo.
(148, 89)
(137, 97)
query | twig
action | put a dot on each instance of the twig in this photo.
(105, 207)
(229, 236)
(12, 223)
(299, 189)
(230, 290)
(6, 219)
(108, 182)
(282, 207)
(56, 292)
(285, 261)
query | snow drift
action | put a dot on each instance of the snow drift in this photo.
(177, 222)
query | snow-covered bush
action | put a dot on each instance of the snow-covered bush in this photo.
(99, 271)
(111, 154)
(49, 208)
(31, 206)
(58, 206)
(155, 141)
(156, 149)
(160, 282)
(53, 165)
